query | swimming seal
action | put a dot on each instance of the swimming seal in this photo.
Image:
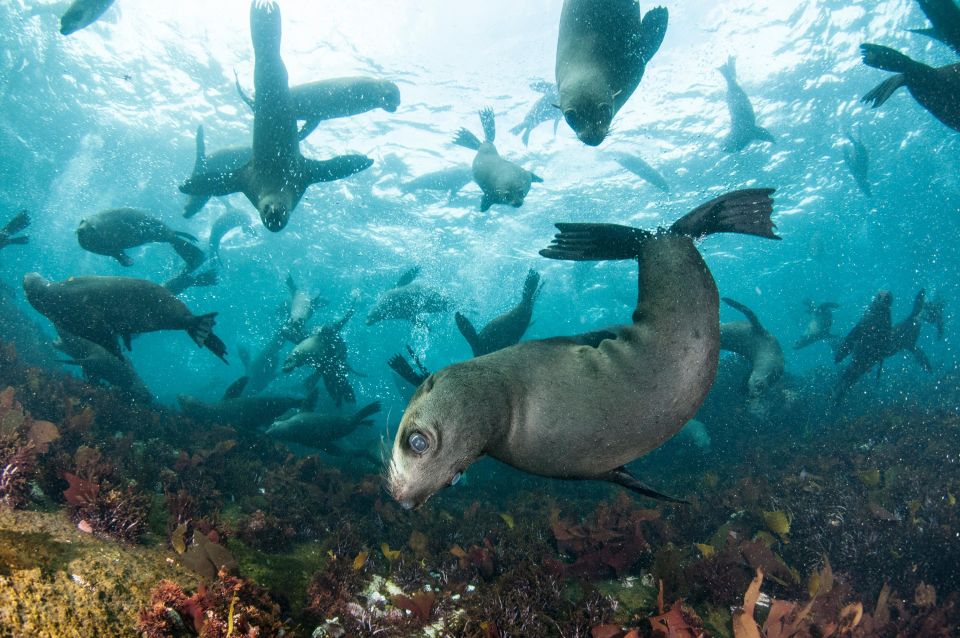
(866, 344)
(326, 352)
(904, 334)
(221, 163)
(100, 366)
(246, 413)
(450, 180)
(944, 15)
(506, 329)
(857, 159)
(501, 181)
(543, 110)
(602, 51)
(408, 301)
(319, 431)
(101, 309)
(636, 165)
(935, 89)
(316, 102)
(224, 224)
(81, 14)
(818, 328)
(301, 309)
(277, 175)
(743, 121)
(581, 407)
(112, 232)
(16, 225)
(752, 341)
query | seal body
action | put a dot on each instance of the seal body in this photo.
(408, 301)
(219, 166)
(506, 329)
(819, 326)
(602, 52)
(101, 309)
(81, 14)
(98, 366)
(246, 413)
(743, 121)
(112, 232)
(315, 430)
(935, 89)
(904, 334)
(581, 407)
(326, 352)
(857, 159)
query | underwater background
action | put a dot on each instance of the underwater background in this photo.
(107, 117)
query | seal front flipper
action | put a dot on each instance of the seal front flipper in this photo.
(653, 28)
(408, 277)
(214, 184)
(235, 389)
(746, 312)
(19, 222)
(621, 476)
(469, 333)
(333, 169)
(191, 254)
(488, 122)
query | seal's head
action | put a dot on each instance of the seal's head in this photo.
(447, 426)
(390, 98)
(35, 288)
(275, 211)
(587, 105)
(86, 232)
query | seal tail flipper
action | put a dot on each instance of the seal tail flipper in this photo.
(19, 222)
(466, 139)
(746, 212)
(337, 168)
(363, 414)
(308, 127)
(405, 371)
(525, 138)
(489, 123)
(191, 254)
(201, 331)
(653, 28)
(535, 178)
(763, 134)
(746, 312)
(621, 476)
(216, 345)
(124, 259)
(469, 333)
(729, 70)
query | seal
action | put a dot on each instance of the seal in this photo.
(334, 98)
(581, 407)
(408, 301)
(9, 234)
(743, 121)
(636, 165)
(319, 431)
(301, 309)
(101, 309)
(100, 366)
(246, 413)
(818, 328)
(857, 159)
(867, 344)
(277, 175)
(113, 231)
(602, 52)
(543, 110)
(326, 352)
(261, 369)
(752, 341)
(81, 14)
(501, 181)
(450, 180)
(944, 15)
(904, 334)
(935, 89)
(506, 329)
(223, 163)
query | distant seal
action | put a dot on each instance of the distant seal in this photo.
(857, 159)
(300, 310)
(818, 328)
(101, 309)
(326, 352)
(246, 413)
(261, 369)
(16, 225)
(329, 99)
(501, 181)
(752, 341)
(636, 165)
(867, 344)
(221, 163)
(602, 51)
(277, 175)
(81, 14)
(450, 180)
(545, 109)
(904, 334)
(944, 15)
(506, 329)
(100, 366)
(743, 121)
(935, 89)
(408, 301)
(320, 431)
(112, 232)
(581, 407)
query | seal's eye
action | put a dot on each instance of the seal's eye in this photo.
(418, 443)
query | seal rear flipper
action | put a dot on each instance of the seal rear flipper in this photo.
(746, 312)
(191, 254)
(336, 168)
(235, 389)
(469, 333)
(622, 476)
(194, 205)
(308, 127)
(200, 160)
(653, 28)
(406, 372)
(466, 139)
(882, 92)
(488, 122)
(363, 414)
(531, 286)
(887, 59)
(485, 203)
(216, 345)
(124, 259)
(746, 212)
(19, 222)
(201, 327)
(763, 134)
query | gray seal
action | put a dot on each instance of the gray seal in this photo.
(935, 89)
(602, 52)
(867, 344)
(100, 366)
(501, 181)
(408, 301)
(449, 180)
(81, 14)
(545, 109)
(10, 233)
(320, 431)
(113, 231)
(752, 341)
(819, 326)
(246, 413)
(857, 159)
(506, 329)
(636, 165)
(101, 309)
(743, 121)
(326, 352)
(582, 407)
(334, 98)
(277, 175)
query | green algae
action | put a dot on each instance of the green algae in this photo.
(287, 572)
